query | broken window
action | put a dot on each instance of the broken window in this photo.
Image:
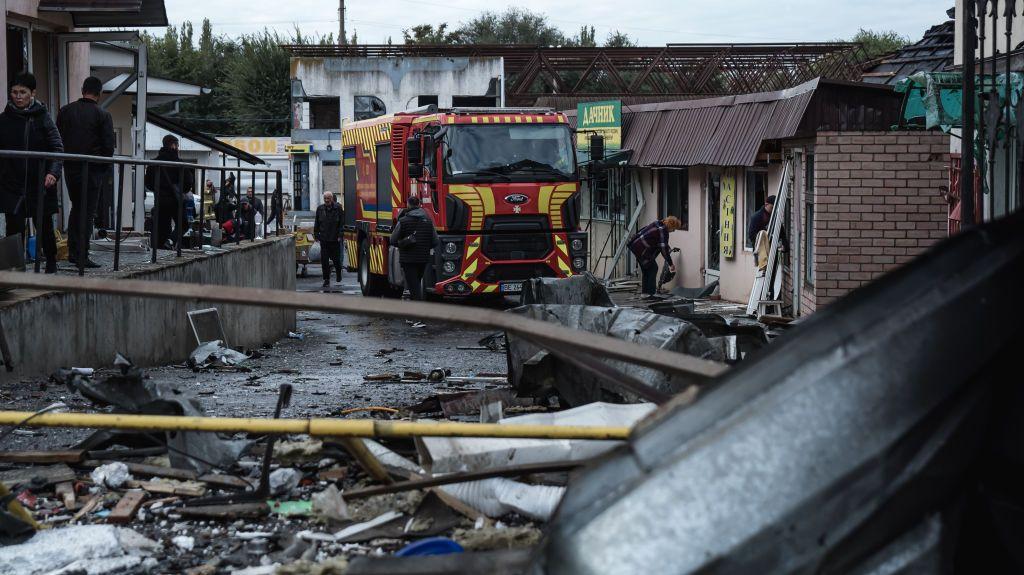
(426, 100)
(675, 195)
(366, 107)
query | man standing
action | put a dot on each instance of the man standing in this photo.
(646, 245)
(26, 125)
(255, 202)
(759, 220)
(327, 229)
(169, 198)
(414, 235)
(85, 129)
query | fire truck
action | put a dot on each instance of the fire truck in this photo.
(500, 184)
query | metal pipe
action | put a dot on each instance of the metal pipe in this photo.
(266, 201)
(117, 217)
(968, 102)
(180, 220)
(280, 194)
(83, 235)
(111, 160)
(1008, 14)
(992, 99)
(202, 205)
(154, 237)
(40, 200)
(253, 207)
(316, 427)
(982, 11)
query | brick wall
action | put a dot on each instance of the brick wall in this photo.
(877, 205)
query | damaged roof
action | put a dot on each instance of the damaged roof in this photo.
(933, 53)
(729, 131)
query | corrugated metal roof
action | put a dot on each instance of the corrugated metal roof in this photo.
(729, 131)
(933, 53)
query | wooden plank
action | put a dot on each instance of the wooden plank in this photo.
(184, 488)
(87, 508)
(126, 507)
(38, 476)
(215, 480)
(688, 368)
(230, 512)
(66, 492)
(71, 456)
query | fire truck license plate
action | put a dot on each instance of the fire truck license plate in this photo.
(511, 287)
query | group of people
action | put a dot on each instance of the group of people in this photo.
(243, 218)
(28, 188)
(414, 235)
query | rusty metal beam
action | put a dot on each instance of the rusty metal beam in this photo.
(567, 341)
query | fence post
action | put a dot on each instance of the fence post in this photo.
(83, 236)
(202, 207)
(180, 220)
(267, 208)
(40, 199)
(280, 195)
(253, 238)
(118, 203)
(154, 218)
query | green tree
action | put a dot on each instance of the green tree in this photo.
(257, 86)
(513, 26)
(879, 43)
(428, 34)
(586, 38)
(618, 39)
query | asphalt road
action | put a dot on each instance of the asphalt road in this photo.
(326, 368)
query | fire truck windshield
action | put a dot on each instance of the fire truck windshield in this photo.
(512, 152)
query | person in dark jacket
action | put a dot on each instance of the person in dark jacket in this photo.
(255, 202)
(224, 210)
(759, 221)
(414, 235)
(246, 215)
(25, 125)
(169, 198)
(646, 245)
(327, 229)
(276, 209)
(86, 129)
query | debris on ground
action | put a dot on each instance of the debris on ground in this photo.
(215, 355)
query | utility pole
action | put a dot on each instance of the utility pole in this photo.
(342, 39)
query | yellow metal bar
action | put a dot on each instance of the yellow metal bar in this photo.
(315, 427)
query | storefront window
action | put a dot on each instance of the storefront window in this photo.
(675, 195)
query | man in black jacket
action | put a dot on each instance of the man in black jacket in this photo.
(414, 235)
(327, 229)
(86, 129)
(25, 125)
(169, 200)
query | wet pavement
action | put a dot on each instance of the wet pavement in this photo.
(326, 369)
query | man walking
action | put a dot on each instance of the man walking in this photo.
(646, 245)
(327, 229)
(414, 235)
(86, 129)
(169, 198)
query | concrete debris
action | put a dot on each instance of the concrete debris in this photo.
(92, 549)
(111, 475)
(498, 536)
(184, 542)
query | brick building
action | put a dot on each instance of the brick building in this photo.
(878, 204)
(862, 199)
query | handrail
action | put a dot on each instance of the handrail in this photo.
(156, 237)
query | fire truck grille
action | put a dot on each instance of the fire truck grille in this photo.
(516, 238)
(515, 272)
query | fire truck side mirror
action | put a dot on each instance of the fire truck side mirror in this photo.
(414, 153)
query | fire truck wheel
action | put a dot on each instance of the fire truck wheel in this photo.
(372, 285)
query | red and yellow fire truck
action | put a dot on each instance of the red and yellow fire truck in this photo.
(500, 184)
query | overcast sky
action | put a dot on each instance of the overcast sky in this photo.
(650, 22)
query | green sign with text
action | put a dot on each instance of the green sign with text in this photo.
(603, 118)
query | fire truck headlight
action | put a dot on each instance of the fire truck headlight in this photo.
(579, 263)
(449, 267)
(577, 245)
(450, 248)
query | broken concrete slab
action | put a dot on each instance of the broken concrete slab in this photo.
(91, 549)
(580, 289)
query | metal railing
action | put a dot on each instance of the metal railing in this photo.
(184, 169)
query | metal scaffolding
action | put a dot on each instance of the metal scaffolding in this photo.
(673, 71)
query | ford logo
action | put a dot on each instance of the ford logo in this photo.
(517, 198)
